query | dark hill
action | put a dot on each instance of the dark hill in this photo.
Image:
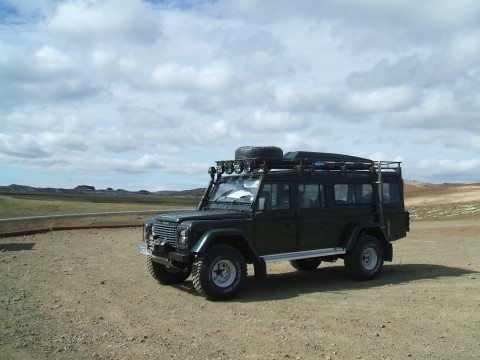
(88, 189)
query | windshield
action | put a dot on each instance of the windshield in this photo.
(237, 192)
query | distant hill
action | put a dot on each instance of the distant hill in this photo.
(88, 189)
(192, 192)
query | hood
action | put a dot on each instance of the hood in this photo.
(200, 215)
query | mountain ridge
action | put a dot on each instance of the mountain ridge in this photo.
(88, 189)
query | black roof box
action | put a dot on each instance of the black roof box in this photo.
(320, 156)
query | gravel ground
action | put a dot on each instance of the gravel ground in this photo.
(86, 294)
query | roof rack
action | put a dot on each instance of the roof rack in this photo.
(307, 161)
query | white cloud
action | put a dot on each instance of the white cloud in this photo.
(474, 143)
(105, 20)
(218, 131)
(297, 142)
(51, 61)
(43, 73)
(215, 77)
(379, 100)
(302, 96)
(444, 64)
(17, 148)
(273, 121)
(437, 109)
(97, 86)
(22, 121)
(368, 23)
(454, 170)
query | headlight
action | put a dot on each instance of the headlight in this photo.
(182, 242)
(147, 230)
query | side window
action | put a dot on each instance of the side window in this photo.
(311, 196)
(275, 197)
(353, 193)
(341, 194)
(365, 194)
(391, 193)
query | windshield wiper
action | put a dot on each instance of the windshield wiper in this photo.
(223, 195)
(239, 201)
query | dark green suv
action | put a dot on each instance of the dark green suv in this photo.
(304, 207)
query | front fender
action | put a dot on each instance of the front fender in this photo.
(239, 240)
(208, 236)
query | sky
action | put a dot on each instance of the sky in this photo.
(133, 94)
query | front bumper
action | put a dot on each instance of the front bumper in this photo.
(162, 252)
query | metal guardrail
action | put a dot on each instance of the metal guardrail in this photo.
(63, 216)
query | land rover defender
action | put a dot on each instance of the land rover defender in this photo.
(264, 206)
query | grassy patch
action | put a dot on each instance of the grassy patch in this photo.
(20, 205)
(38, 204)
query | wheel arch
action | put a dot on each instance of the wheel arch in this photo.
(230, 236)
(355, 231)
(237, 239)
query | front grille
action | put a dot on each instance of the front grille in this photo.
(166, 231)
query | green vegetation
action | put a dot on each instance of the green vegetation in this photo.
(462, 209)
(36, 204)
(15, 205)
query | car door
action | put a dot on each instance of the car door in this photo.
(313, 216)
(275, 219)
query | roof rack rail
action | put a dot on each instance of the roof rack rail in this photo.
(389, 166)
(312, 162)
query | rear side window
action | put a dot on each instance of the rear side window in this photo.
(391, 193)
(311, 196)
(353, 193)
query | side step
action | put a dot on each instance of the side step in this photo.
(304, 254)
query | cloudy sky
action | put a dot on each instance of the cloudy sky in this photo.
(139, 94)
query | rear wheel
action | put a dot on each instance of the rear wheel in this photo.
(365, 260)
(164, 274)
(220, 273)
(309, 264)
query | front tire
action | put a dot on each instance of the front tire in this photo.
(309, 264)
(365, 260)
(220, 273)
(166, 275)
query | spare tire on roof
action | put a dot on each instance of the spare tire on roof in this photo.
(256, 152)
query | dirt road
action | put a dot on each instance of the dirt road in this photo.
(86, 294)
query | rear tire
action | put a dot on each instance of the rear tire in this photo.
(166, 275)
(365, 260)
(219, 273)
(309, 264)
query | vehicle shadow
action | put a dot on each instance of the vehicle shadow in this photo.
(16, 246)
(333, 279)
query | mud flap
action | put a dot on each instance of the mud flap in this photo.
(260, 269)
(387, 251)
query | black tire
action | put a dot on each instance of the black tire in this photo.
(255, 152)
(166, 275)
(219, 273)
(365, 260)
(309, 264)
